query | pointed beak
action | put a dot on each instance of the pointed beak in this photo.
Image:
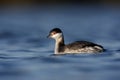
(48, 36)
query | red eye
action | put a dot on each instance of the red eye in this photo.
(53, 33)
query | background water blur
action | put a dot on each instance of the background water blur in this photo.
(25, 51)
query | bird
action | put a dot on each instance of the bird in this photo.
(72, 48)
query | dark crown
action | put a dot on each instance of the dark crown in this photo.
(56, 30)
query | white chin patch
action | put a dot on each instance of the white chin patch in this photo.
(57, 35)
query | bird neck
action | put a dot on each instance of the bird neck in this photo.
(59, 45)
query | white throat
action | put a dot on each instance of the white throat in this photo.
(57, 36)
(59, 39)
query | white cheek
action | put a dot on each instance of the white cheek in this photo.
(57, 35)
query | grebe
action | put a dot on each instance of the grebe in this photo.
(76, 47)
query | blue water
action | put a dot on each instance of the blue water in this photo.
(25, 52)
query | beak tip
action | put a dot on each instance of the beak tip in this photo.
(48, 36)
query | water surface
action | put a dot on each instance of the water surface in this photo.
(25, 52)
